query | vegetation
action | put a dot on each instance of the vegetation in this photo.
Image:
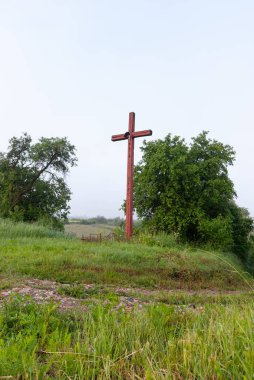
(13, 231)
(193, 317)
(186, 190)
(81, 230)
(158, 342)
(32, 185)
(99, 220)
(161, 263)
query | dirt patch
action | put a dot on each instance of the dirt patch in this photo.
(43, 291)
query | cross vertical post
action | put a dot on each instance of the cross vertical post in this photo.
(130, 173)
(130, 136)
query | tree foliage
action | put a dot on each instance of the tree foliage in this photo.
(185, 189)
(32, 178)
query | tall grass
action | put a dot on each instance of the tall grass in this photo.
(157, 342)
(13, 230)
(159, 239)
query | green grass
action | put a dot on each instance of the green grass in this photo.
(195, 320)
(11, 230)
(67, 260)
(158, 342)
(155, 262)
(33, 251)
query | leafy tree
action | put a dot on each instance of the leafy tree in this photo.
(32, 185)
(242, 227)
(185, 189)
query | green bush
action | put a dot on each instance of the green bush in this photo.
(217, 232)
(159, 239)
(242, 225)
(250, 256)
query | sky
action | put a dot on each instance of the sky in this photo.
(77, 68)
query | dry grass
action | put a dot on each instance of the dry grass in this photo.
(85, 230)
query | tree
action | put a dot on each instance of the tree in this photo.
(185, 189)
(32, 185)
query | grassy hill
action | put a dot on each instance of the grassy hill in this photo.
(151, 310)
(36, 252)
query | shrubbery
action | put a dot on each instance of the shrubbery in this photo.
(185, 190)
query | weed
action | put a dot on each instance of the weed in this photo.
(157, 341)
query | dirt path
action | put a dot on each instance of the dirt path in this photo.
(43, 291)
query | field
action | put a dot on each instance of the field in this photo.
(85, 230)
(152, 309)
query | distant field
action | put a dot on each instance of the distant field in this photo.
(81, 229)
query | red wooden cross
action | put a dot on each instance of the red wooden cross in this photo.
(130, 136)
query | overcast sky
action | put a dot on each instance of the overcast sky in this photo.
(77, 68)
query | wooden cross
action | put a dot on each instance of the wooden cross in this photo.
(130, 136)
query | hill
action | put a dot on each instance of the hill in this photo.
(34, 251)
(150, 310)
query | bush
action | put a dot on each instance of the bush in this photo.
(217, 232)
(242, 225)
(250, 256)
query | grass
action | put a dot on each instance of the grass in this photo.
(34, 251)
(69, 260)
(13, 230)
(158, 342)
(194, 320)
(85, 230)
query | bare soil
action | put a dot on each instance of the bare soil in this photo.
(43, 291)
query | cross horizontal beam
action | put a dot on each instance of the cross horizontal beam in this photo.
(125, 136)
(147, 132)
